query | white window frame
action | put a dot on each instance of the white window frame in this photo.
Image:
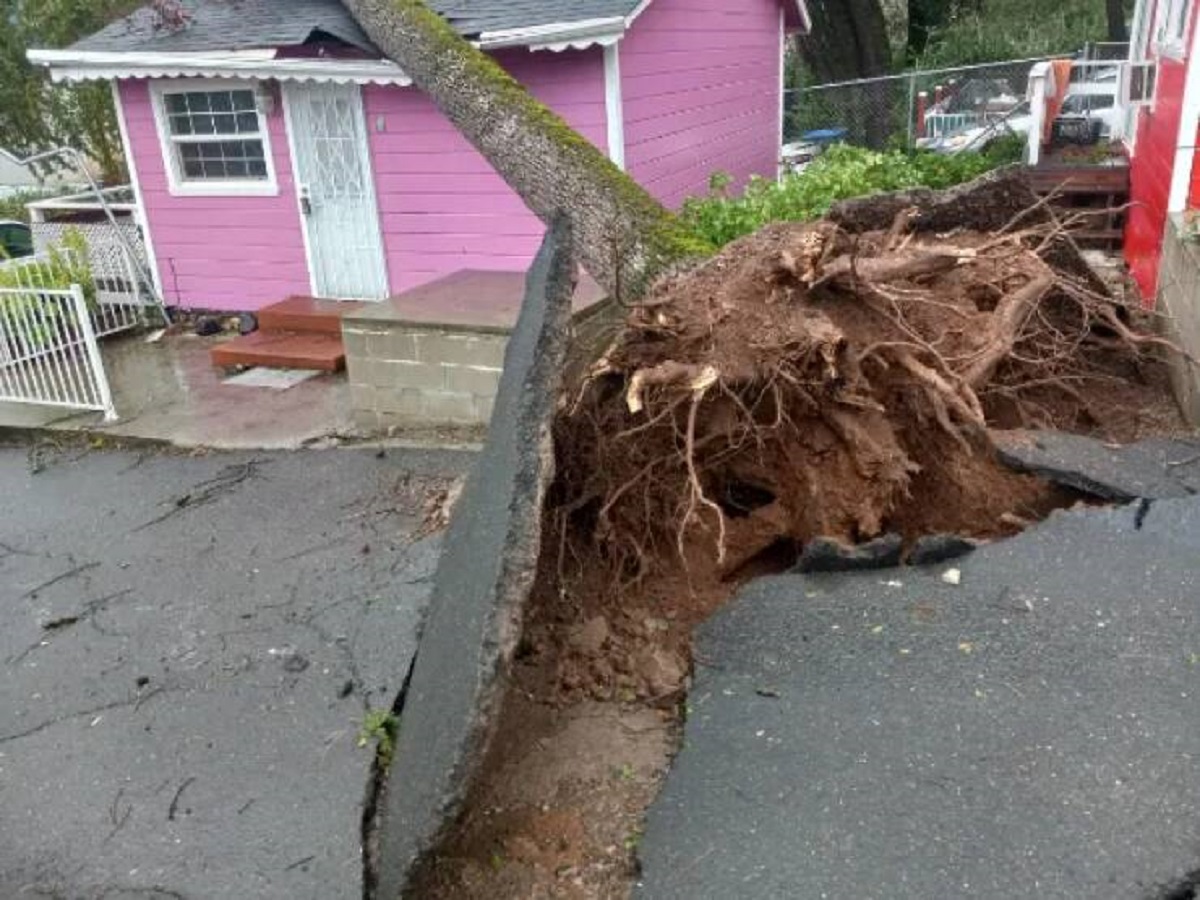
(182, 187)
(1170, 43)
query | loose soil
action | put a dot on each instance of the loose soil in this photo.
(805, 382)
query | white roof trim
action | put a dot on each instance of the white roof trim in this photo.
(84, 65)
(557, 36)
(801, 10)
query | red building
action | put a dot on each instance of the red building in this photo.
(1162, 136)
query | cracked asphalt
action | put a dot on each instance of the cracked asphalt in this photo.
(1026, 728)
(189, 645)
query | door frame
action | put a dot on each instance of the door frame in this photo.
(289, 91)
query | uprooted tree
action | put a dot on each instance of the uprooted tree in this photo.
(811, 380)
(839, 379)
(624, 236)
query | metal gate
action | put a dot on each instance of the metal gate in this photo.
(49, 352)
(54, 308)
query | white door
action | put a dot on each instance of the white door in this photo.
(336, 191)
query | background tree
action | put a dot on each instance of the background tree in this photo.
(849, 40)
(35, 114)
(1114, 11)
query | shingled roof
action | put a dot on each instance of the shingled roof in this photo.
(221, 25)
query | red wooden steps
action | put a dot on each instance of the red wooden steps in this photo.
(306, 314)
(296, 333)
(283, 350)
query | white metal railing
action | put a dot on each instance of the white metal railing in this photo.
(120, 199)
(115, 302)
(49, 351)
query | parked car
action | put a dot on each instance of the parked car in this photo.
(15, 239)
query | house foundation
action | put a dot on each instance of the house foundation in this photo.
(434, 355)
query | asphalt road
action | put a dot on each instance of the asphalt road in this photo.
(189, 645)
(1032, 731)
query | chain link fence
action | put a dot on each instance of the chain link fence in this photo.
(907, 109)
(920, 107)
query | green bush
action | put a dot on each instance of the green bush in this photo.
(60, 268)
(840, 173)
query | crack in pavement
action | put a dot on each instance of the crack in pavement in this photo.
(88, 612)
(70, 573)
(135, 702)
(207, 491)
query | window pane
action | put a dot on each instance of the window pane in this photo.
(226, 124)
(243, 100)
(181, 124)
(247, 123)
(223, 160)
(203, 124)
(221, 101)
(176, 103)
(198, 102)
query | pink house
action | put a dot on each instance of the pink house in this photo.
(273, 152)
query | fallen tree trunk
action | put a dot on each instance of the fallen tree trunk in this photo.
(625, 237)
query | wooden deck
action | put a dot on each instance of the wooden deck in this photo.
(1090, 188)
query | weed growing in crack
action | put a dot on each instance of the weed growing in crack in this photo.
(379, 727)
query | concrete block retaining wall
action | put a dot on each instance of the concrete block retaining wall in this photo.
(406, 374)
(1179, 298)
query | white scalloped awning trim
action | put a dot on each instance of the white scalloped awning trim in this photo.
(558, 36)
(75, 65)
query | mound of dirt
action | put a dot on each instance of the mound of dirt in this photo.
(809, 381)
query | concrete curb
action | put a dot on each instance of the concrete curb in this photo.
(483, 581)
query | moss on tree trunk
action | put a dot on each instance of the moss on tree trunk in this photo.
(624, 236)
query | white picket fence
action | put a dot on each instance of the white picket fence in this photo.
(50, 333)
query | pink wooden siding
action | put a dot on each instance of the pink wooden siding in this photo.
(700, 80)
(225, 253)
(443, 207)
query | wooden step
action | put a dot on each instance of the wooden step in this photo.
(306, 314)
(283, 350)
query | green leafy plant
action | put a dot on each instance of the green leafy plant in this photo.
(840, 173)
(61, 267)
(380, 727)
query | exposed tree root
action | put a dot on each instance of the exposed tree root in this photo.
(795, 385)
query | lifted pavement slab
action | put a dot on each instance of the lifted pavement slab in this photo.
(1032, 732)
(448, 712)
(188, 649)
(1154, 469)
